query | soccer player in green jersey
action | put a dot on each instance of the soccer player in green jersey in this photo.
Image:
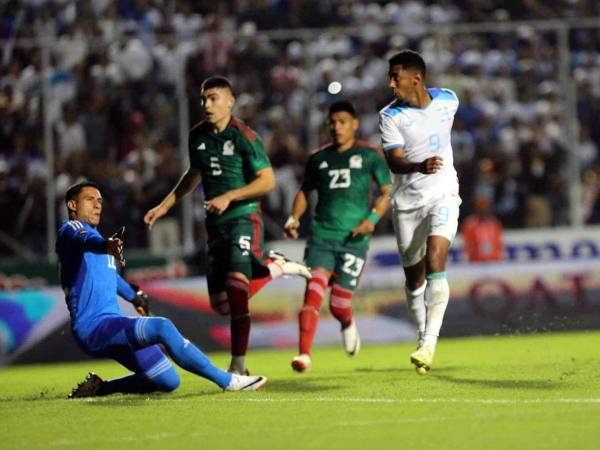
(230, 161)
(342, 174)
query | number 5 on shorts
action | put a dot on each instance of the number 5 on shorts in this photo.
(244, 243)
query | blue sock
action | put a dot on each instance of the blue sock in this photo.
(139, 383)
(158, 330)
(132, 384)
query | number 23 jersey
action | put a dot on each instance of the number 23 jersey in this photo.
(343, 182)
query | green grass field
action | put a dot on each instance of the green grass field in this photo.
(518, 392)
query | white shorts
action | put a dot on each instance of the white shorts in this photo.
(413, 227)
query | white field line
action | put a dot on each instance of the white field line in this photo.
(240, 398)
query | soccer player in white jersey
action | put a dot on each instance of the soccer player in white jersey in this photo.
(415, 130)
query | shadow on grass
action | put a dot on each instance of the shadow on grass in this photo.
(306, 384)
(500, 384)
(407, 369)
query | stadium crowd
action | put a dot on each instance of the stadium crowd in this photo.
(113, 75)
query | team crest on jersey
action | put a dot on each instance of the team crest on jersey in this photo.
(323, 165)
(228, 148)
(356, 162)
(202, 146)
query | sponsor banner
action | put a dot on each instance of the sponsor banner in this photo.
(549, 244)
(26, 317)
(485, 299)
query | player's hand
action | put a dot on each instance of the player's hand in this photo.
(431, 165)
(140, 301)
(114, 247)
(217, 205)
(290, 228)
(154, 214)
(119, 236)
(365, 227)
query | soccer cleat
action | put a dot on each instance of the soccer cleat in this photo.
(302, 363)
(88, 387)
(422, 359)
(289, 267)
(351, 339)
(245, 383)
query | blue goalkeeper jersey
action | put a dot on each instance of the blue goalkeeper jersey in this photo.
(88, 276)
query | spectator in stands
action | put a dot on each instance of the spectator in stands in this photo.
(482, 233)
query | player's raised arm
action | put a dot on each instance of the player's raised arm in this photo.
(186, 184)
(73, 234)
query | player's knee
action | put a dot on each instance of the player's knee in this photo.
(162, 326)
(338, 309)
(436, 258)
(220, 304)
(167, 381)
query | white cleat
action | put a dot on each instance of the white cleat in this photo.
(245, 383)
(422, 359)
(351, 339)
(289, 267)
(302, 363)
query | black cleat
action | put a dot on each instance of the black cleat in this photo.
(88, 387)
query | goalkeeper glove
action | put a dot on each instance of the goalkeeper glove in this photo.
(140, 301)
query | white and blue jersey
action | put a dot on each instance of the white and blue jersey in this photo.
(89, 277)
(421, 133)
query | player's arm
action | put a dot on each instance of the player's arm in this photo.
(298, 209)
(380, 208)
(73, 235)
(393, 145)
(401, 165)
(290, 228)
(186, 184)
(133, 294)
(263, 183)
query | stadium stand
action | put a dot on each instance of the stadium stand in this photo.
(114, 70)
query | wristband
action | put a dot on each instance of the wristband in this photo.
(290, 221)
(373, 217)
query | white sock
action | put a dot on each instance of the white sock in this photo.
(238, 363)
(437, 295)
(275, 270)
(415, 302)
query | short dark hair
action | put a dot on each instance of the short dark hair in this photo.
(409, 60)
(342, 106)
(74, 190)
(217, 81)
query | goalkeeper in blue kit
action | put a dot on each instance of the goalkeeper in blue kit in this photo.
(89, 277)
